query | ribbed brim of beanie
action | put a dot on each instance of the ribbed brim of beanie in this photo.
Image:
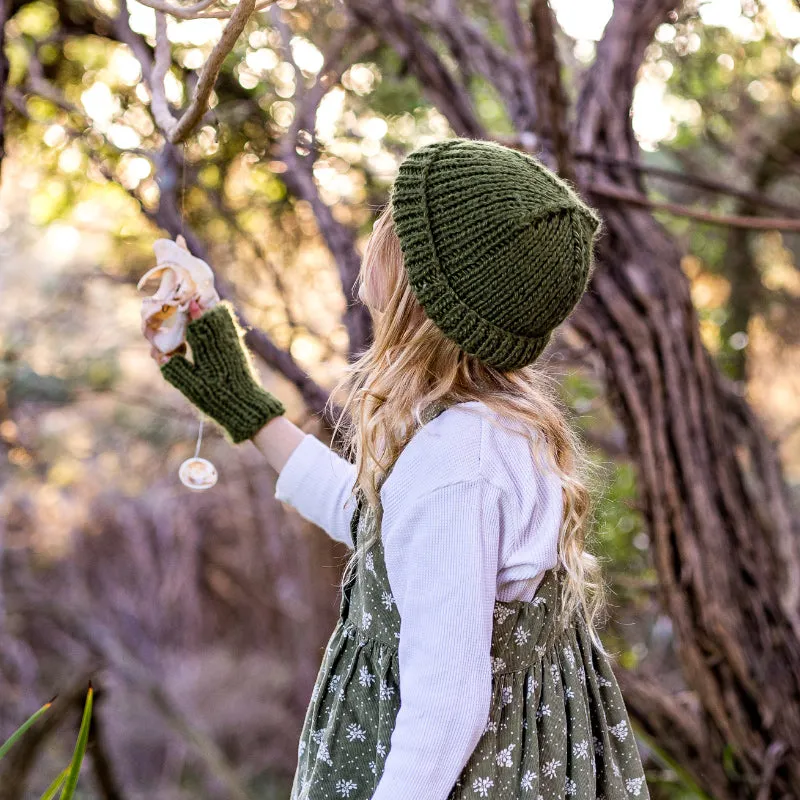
(464, 248)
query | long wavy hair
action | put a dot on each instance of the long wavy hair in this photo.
(411, 364)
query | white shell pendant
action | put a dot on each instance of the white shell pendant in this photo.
(198, 474)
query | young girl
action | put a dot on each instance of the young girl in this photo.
(465, 662)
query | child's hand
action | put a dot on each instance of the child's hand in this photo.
(221, 380)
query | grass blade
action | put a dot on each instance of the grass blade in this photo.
(71, 782)
(55, 786)
(11, 741)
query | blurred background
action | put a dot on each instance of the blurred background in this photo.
(201, 618)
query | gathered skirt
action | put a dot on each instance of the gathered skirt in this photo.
(557, 728)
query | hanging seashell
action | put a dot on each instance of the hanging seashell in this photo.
(184, 278)
(198, 474)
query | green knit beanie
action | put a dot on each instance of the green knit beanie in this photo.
(497, 247)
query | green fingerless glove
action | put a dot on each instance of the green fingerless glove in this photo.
(222, 381)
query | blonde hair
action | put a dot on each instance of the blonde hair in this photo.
(409, 365)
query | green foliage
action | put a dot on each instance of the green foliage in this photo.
(26, 726)
(57, 783)
(69, 777)
(71, 782)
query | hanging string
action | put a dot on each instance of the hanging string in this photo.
(183, 189)
(195, 473)
(199, 436)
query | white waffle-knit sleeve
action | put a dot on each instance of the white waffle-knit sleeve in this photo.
(318, 483)
(448, 538)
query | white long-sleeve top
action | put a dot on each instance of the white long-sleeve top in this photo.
(468, 517)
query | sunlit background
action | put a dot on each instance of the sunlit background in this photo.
(92, 436)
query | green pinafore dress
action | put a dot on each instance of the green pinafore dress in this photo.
(557, 728)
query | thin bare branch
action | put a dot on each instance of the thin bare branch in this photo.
(690, 179)
(178, 129)
(298, 152)
(198, 10)
(732, 221)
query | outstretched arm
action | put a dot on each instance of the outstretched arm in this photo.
(222, 382)
(312, 478)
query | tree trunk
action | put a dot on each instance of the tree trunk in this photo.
(717, 509)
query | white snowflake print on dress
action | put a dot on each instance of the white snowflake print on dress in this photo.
(550, 768)
(318, 736)
(554, 673)
(539, 601)
(387, 600)
(344, 788)
(598, 746)
(369, 563)
(380, 749)
(355, 733)
(364, 677)
(482, 786)
(569, 693)
(570, 787)
(497, 665)
(490, 726)
(521, 636)
(530, 685)
(615, 768)
(508, 695)
(324, 755)
(366, 620)
(527, 781)
(301, 748)
(543, 711)
(385, 691)
(620, 730)
(604, 681)
(503, 758)
(501, 613)
(581, 749)
(373, 767)
(569, 655)
(634, 786)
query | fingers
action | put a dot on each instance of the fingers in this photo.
(158, 356)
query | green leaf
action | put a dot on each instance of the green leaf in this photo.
(80, 749)
(55, 786)
(11, 741)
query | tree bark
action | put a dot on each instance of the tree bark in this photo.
(717, 509)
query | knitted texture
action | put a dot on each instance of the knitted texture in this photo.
(222, 381)
(498, 249)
